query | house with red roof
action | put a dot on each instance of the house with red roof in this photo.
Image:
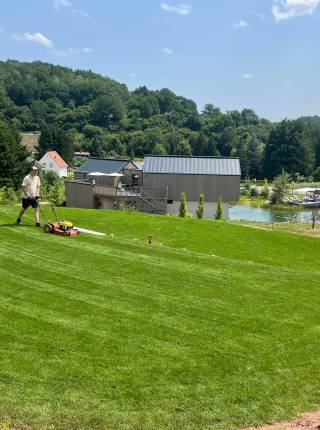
(53, 162)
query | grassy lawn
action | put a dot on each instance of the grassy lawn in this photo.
(215, 326)
(291, 227)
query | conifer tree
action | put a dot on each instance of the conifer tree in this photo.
(200, 209)
(219, 213)
(183, 206)
(13, 156)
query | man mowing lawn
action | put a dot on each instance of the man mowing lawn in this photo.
(31, 192)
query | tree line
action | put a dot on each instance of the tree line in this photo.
(81, 110)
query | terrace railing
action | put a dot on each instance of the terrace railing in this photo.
(150, 200)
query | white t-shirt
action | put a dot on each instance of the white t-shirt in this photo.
(32, 183)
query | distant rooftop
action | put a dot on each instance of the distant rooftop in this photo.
(30, 140)
(103, 165)
(81, 154)
(192, 165)
(57, 158)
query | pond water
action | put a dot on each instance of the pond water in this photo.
(250, 213)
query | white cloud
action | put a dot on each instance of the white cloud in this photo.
(81, 12)
(240, 24)
(133, 75)
(248, 76)
(58, 4)
(286, 9)
(65, 52)
(40, 39)
(260, 16)
(289, 83)
(1, 31)
(71, 51)
(182, 9)
(36, 38)
(167, 51)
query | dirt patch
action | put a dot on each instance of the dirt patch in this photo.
(309, 421)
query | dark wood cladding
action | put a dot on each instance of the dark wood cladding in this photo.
(212, 186)
(79, 195)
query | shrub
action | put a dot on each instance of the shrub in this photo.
(124, 206)
(53, 188)
(316, 174)
(2, 195)
(280, 188)
(265, 192)
(254, 192)
(7, 194)
(297, 177)
(219, 213)
(49, 178)
(247, 185)
(10, 195)
(245, 192)
(200, 209)
(56, 193)
(183, 206)
(246, 189)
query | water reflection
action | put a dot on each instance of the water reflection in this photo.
(249, 213)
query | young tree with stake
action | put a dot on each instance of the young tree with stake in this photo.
(200, 210)
(219, 213)
(183, 206)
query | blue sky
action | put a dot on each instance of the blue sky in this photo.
(262, 54)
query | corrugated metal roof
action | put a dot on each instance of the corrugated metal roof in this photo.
(192, 165)
(102, 165)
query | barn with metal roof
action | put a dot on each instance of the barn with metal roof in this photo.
(211, 176)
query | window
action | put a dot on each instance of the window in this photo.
(170, 202)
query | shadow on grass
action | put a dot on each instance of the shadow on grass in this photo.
(15, 225)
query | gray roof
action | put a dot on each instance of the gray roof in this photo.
(192, 165)
(103, 165)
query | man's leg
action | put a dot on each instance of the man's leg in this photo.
(22, 211)
(37, 216)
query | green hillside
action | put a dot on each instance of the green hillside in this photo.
(82, 110)
(215, 326)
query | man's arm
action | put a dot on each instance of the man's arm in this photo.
(38, 188)
(24, 189)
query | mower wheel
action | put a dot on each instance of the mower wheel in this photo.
(47, 228)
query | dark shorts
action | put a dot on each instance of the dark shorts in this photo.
(26, 202)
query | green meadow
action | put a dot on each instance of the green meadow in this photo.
(213, 326)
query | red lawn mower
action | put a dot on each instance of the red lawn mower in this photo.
(59, 227)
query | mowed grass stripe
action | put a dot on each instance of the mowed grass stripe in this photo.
(113, 306)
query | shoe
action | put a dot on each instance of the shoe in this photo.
(18, 220)
(38, 224)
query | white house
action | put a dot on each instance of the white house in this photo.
(52, 162)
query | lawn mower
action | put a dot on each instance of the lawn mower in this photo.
(59, 227)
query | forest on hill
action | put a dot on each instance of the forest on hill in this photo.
(82, 110)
